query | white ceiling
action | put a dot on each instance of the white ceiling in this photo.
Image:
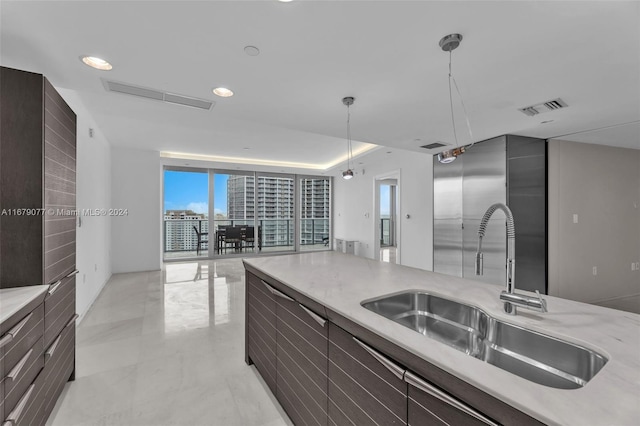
(288, 105)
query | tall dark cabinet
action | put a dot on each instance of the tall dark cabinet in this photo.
(37, 238)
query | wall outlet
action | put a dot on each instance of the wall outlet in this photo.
(84, 278)
(637, 266)
(633, 266)
(575, 220)
(95, 267)
(595, 270)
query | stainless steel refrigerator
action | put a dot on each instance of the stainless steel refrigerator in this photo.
(508, 169)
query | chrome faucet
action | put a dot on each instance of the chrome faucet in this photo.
(510, 298)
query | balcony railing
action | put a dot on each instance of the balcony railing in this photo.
(386, 232)
(179, 235)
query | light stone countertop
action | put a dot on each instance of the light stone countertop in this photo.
(15, 298)
(340, 282)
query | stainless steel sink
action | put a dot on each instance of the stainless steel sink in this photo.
(536, 357)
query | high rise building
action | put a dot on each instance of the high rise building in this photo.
(179, 232)
(275, 207)
(314, 210)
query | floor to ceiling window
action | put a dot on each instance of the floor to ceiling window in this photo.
(276, 206)
(212, 213)
(315, 213)
(234, 213)
(186, 213)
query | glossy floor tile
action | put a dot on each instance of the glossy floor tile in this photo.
(388, 254)
(167, 348)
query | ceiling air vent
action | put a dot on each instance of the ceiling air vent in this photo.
(433, 145)
(543, 107)
(158, 95)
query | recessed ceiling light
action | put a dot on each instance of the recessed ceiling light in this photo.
(251, 50)
(284, 1)
(97, 63)
(246, 148)
(223, 92)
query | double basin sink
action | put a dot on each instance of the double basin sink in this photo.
(536, 357)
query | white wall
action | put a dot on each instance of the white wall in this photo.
(354, 205)
(136, 186)
(601, 185)
(93, 191)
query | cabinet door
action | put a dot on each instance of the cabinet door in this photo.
(429, 405)
(365, 388)
(59, 186)
(301, 362)
(261, 329)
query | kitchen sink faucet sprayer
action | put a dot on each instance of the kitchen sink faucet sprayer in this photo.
(508, 296)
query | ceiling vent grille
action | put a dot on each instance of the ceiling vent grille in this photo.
(433, 145)
(157, 95)
(551, 105)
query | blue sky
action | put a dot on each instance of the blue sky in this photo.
(384, 201)
(189, 191)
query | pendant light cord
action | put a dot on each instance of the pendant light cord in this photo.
(464, 109)
(349, 150)
(453, 119)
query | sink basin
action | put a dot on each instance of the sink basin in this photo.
(531, 355)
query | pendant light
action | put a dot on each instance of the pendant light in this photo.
(448, 44)
(348, 174)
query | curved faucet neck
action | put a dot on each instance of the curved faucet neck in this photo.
(511, 240)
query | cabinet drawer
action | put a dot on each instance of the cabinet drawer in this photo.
(59, 307)
(59, 363)
(301, 362)
(20, 377)
(25, 334)
(426, 408)
(29, 410)
(261, 329)
(362, 390)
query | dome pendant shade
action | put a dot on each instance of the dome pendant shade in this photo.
(449, 156)
(347, 174)
(450, 42)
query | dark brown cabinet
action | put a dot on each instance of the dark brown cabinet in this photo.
(302, 362)
(38, 176)
(429, 405)
(37, 240)
(365, 388)
(288, 344)
(261, 329)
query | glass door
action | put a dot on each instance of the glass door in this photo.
(186, 213)
(234, 213)
(276, 218)
(315, 213)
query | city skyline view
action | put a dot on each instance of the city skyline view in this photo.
(245, 201)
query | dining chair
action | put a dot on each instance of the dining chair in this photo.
(200, 240)
(233, 236)
(249, 237)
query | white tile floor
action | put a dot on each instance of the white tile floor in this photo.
(388, 254)
(167, 348)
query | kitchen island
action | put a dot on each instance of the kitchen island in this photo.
(300, 331)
